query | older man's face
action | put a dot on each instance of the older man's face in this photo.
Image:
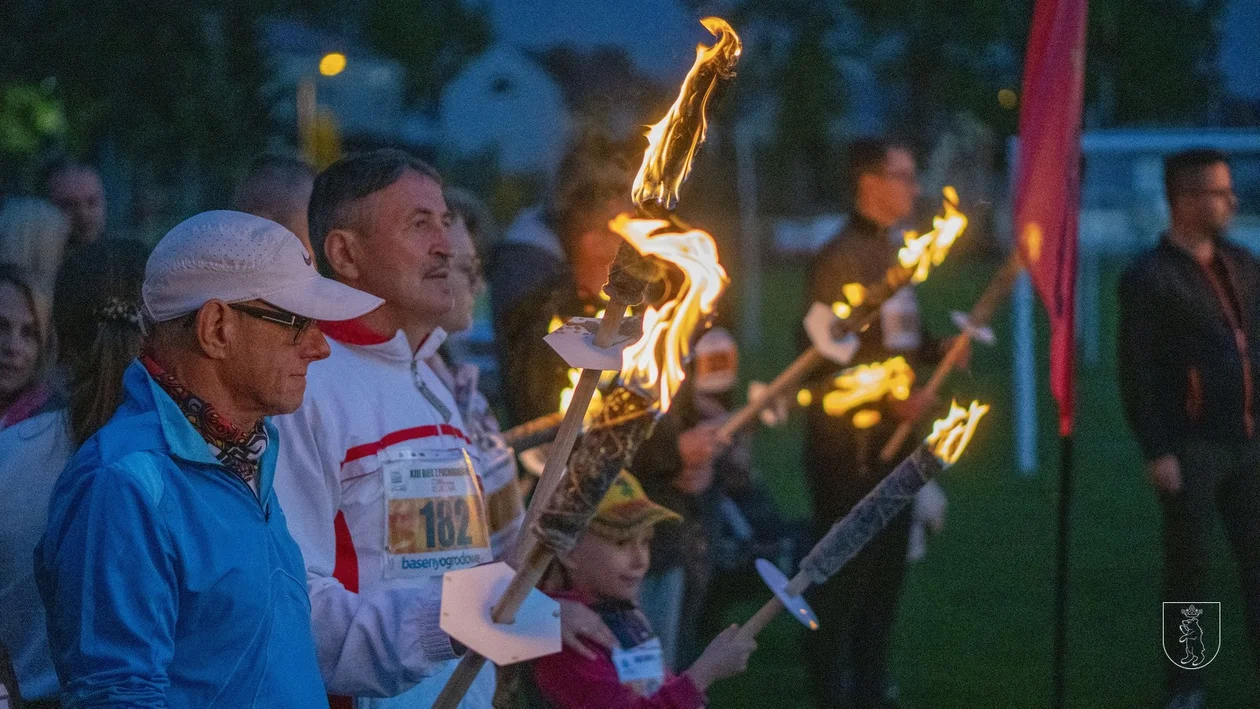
(269, 360)
(78, 193)
(407, 249)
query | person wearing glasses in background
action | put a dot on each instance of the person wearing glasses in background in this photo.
(468, 234)
(166, 567)
(848, 657)
(1189, 366)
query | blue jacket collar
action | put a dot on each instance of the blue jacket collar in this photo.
(157, 424)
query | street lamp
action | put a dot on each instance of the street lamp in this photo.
(317, 138)
(332, 64)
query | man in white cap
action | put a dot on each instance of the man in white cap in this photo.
(166, 567)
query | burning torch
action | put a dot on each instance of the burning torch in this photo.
(973, 325)
(847, 537)
(480, 606)
(833, 329)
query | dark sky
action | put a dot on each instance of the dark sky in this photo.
(661, 35)
(1240, 48)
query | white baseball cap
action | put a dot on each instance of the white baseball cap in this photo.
(235, 257)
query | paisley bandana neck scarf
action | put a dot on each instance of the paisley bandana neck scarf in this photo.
(239, 451)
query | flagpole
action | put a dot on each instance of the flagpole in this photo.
(1062, 556)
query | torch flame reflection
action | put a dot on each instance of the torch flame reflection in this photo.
(673, 324)
(951, 434)
(867, 383)
(673, 141)
(923, 252)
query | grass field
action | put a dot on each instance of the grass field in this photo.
(976, 622)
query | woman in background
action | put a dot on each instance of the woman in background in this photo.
(23, 346)
(98, 324)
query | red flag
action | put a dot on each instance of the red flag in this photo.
(1048, 177)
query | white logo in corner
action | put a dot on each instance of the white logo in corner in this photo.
(1192, 633)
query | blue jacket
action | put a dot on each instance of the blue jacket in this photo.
(168, 583)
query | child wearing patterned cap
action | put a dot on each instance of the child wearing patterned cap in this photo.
(604, 571)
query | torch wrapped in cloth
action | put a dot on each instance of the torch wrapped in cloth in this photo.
(833, 328)
(672, 146)
(872, 514)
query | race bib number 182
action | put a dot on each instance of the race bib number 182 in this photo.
(436, 522)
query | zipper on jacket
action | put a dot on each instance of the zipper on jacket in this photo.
(254, 495)
(1234, 320)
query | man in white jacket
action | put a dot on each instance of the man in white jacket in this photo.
(381, 489)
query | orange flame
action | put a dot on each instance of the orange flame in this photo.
(673, 141)
(566, 397)
(951, 434)
(673, 324)
(868, 383)
(923, 252)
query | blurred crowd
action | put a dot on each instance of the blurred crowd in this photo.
(213, 453)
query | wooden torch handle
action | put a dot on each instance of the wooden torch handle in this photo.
(787, 381)
(980, 315)
(772, 608)
(570, 427)
(458, 684)
(761, 618)
(526, 578)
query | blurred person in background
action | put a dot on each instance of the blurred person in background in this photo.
(505, 510)
(848, 656)
(76, 189)
(278, 188)
(34, 235)
(553, 261)
(24, 347)
(1188, 366)
(98, 322)
(731, 523)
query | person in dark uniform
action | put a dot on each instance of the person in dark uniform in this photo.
(1188, 364)
(848, 655)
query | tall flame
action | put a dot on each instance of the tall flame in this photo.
(923, 252)
(673, 141)
(867, 383)
(672, 325)
(951, 434)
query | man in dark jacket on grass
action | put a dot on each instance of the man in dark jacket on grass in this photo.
(1189, 366)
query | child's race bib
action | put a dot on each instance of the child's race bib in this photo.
(641, 667)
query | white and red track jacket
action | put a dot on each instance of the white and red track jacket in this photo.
(375, 588)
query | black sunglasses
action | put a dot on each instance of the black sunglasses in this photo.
(281, 317)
